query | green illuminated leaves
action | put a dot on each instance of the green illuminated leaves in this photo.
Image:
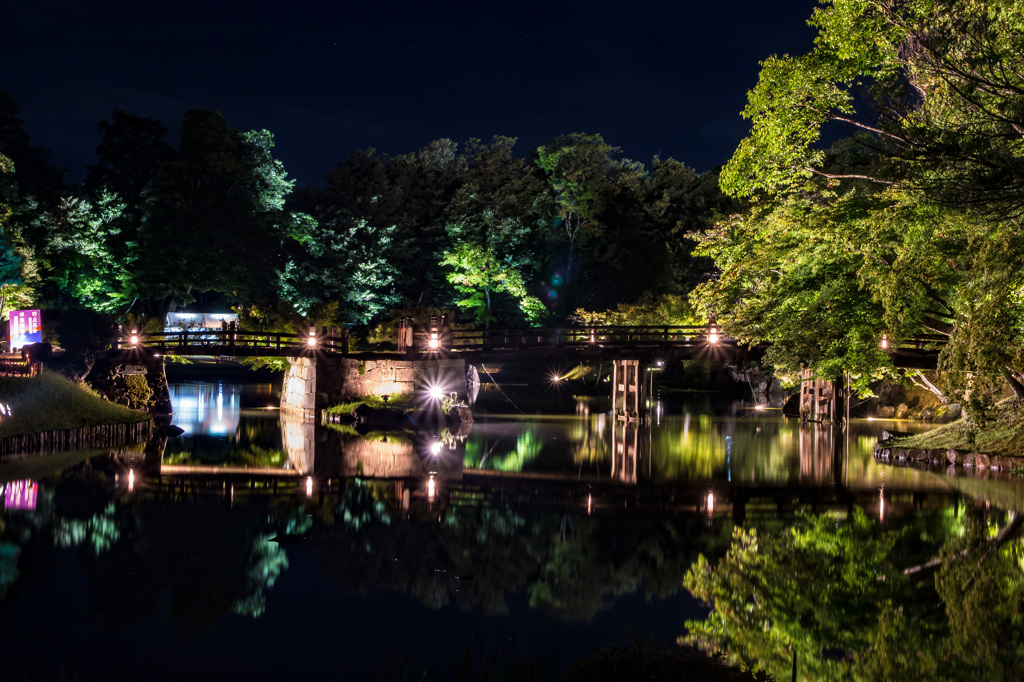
(477, 272)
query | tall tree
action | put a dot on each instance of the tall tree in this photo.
(932, 90)
(581, 172)
(10, 261)
(214, 218)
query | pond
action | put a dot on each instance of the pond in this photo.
(540, 533)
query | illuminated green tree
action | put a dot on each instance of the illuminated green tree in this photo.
(347, 264)
(10, 261)
(478, 272)
(923, 201)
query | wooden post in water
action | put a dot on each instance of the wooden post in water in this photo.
(627, 388)
(821, 400)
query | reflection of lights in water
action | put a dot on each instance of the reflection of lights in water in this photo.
(309, 486)
(728, 457)
(881, 504)
(711, 503)
(206, 409)
(131, 480)
(431, 488)
(21, 495)
(590, 503)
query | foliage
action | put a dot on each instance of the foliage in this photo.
(399, 402)
(813, 588)
(579, 168)
(650, 309)
(274, 363)
(983, 592)
(921, 210)
(213, 216)
(829, 592)
(185, 360)
(346, 265)
(478, 272)
(137, 390)
(791, 276)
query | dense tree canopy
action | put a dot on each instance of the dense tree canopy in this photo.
(908, 227)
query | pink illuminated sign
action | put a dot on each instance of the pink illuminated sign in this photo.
(25, 327)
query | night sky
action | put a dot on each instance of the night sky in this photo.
(328, 78)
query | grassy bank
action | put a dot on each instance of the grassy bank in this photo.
(50, 402)
(1004, 436)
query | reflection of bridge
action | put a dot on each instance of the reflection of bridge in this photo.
(429, 470)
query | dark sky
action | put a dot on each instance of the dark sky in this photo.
(328, 78)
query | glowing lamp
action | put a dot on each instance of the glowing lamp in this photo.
(309, 486)
(436, 392)
(434, 343)
(884, 342)
(713, 333)
(435, 448)
(134, 338)
(131, 480)
(311, 341)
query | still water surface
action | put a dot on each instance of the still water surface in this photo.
(251, 543)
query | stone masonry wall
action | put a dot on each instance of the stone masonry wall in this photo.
(313, 383)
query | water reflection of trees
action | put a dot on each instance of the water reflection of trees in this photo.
(477, 555)
(833, 596)
(209, 558)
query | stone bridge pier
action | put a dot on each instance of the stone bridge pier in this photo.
(315, 382)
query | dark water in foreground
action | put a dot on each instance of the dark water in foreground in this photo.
(260, 549)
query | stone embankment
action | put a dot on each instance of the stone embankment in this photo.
(952, 460)
(85, 438)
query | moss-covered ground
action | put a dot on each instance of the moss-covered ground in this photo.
(1003, 435)
(50, 401)
(399, 403)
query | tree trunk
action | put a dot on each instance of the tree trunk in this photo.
(487, 321)
(1011, 379)
(1007, 533)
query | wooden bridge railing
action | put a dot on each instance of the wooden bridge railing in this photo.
(12, 366)
(233, 342)
(444, 339)
(598, 335)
